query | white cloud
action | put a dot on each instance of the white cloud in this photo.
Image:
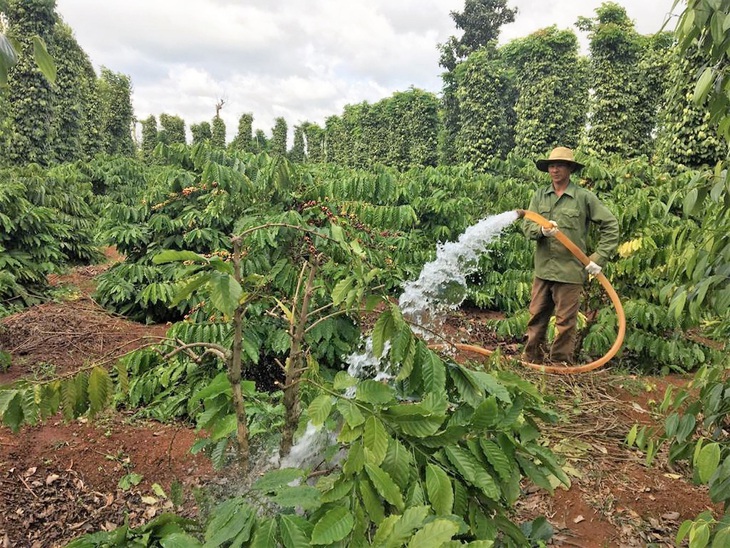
(301, 60)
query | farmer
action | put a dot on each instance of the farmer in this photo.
(559, 276)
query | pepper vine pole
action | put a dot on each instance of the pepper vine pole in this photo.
(583, 258)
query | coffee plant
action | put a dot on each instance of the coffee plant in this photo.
(695, 427)
(434, 458)
(177, 209)
(47, 224)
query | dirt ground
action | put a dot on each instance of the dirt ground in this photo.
(59, 480)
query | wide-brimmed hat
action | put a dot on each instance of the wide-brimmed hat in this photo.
(559, 154)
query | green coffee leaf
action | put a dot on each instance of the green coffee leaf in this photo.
(350, 412)
(272, 481)
(404, 526)
(439, 490)
(385, 486)
(334, 526)
(370, 500)
(708, 461)
(434, 534)
(264, 533)
(375, 440)
(382, 332)
(374, 392)
(171, 256)
(294, 531)
(100, 389)
(497, 458)
(398, 463)
(300, 496)
(319, 409)
(355, 459)
(341, 289)
(225, 293)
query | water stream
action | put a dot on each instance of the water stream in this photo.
(440, 287)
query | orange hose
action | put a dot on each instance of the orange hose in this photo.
(583, 258)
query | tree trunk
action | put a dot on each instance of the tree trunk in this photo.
(295, 367)
(234, 369)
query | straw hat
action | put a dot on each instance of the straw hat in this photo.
(559, 154)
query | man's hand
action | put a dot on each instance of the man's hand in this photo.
(550, 232)
(593, 269)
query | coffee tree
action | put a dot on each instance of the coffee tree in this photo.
(47, 223)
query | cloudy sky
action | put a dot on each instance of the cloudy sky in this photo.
(303, 60)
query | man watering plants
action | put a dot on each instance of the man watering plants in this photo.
(559, 276)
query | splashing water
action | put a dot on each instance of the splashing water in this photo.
(441, 286)
(365, 364)
(307, 452)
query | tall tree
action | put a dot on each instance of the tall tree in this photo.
(399, 131)
(115, 96)
(173, 130)
(336, 141)
(218, 132)
(552, 86)
(74, 94)
(244, 137)
(486, 96)
(379, 124)
(259, 143)
(91, 137)
(149, 137)
(481, 22)
(6, 127)
(354, 131)
(314, 136)
(201, 132)
(616, 120)
(685, 137)
(296, 154)
(655, 66)
(30, 95)
(412, 123)
(279, 137)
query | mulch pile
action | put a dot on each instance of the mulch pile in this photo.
(57, 481)
(68, 336)
(46, 507)
(611, 482)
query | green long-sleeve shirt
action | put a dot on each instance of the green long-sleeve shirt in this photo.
(573, 211)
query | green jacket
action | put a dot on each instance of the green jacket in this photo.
(573, 211)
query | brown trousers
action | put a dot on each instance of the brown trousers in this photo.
(560, 298)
